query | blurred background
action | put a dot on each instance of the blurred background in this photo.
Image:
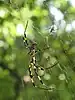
(51, 24)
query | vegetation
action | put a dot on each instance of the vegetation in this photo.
(51, 25)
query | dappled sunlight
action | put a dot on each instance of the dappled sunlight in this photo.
(72, 2)
(1, 43)
(20, 29)
(58, 15)
(73, 24)
(2, 13)
(69, 28)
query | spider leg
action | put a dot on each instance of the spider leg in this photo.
(31, 75)
(39, 78)
(33, 63)
(35, 67)
(35, 70)
(41, 68)
(25, 37)
(52, 66)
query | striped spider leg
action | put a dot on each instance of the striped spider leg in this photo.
(24, 37)
(32, 65)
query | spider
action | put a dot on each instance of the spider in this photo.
(32, 65)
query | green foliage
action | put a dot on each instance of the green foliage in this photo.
(51, 47)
